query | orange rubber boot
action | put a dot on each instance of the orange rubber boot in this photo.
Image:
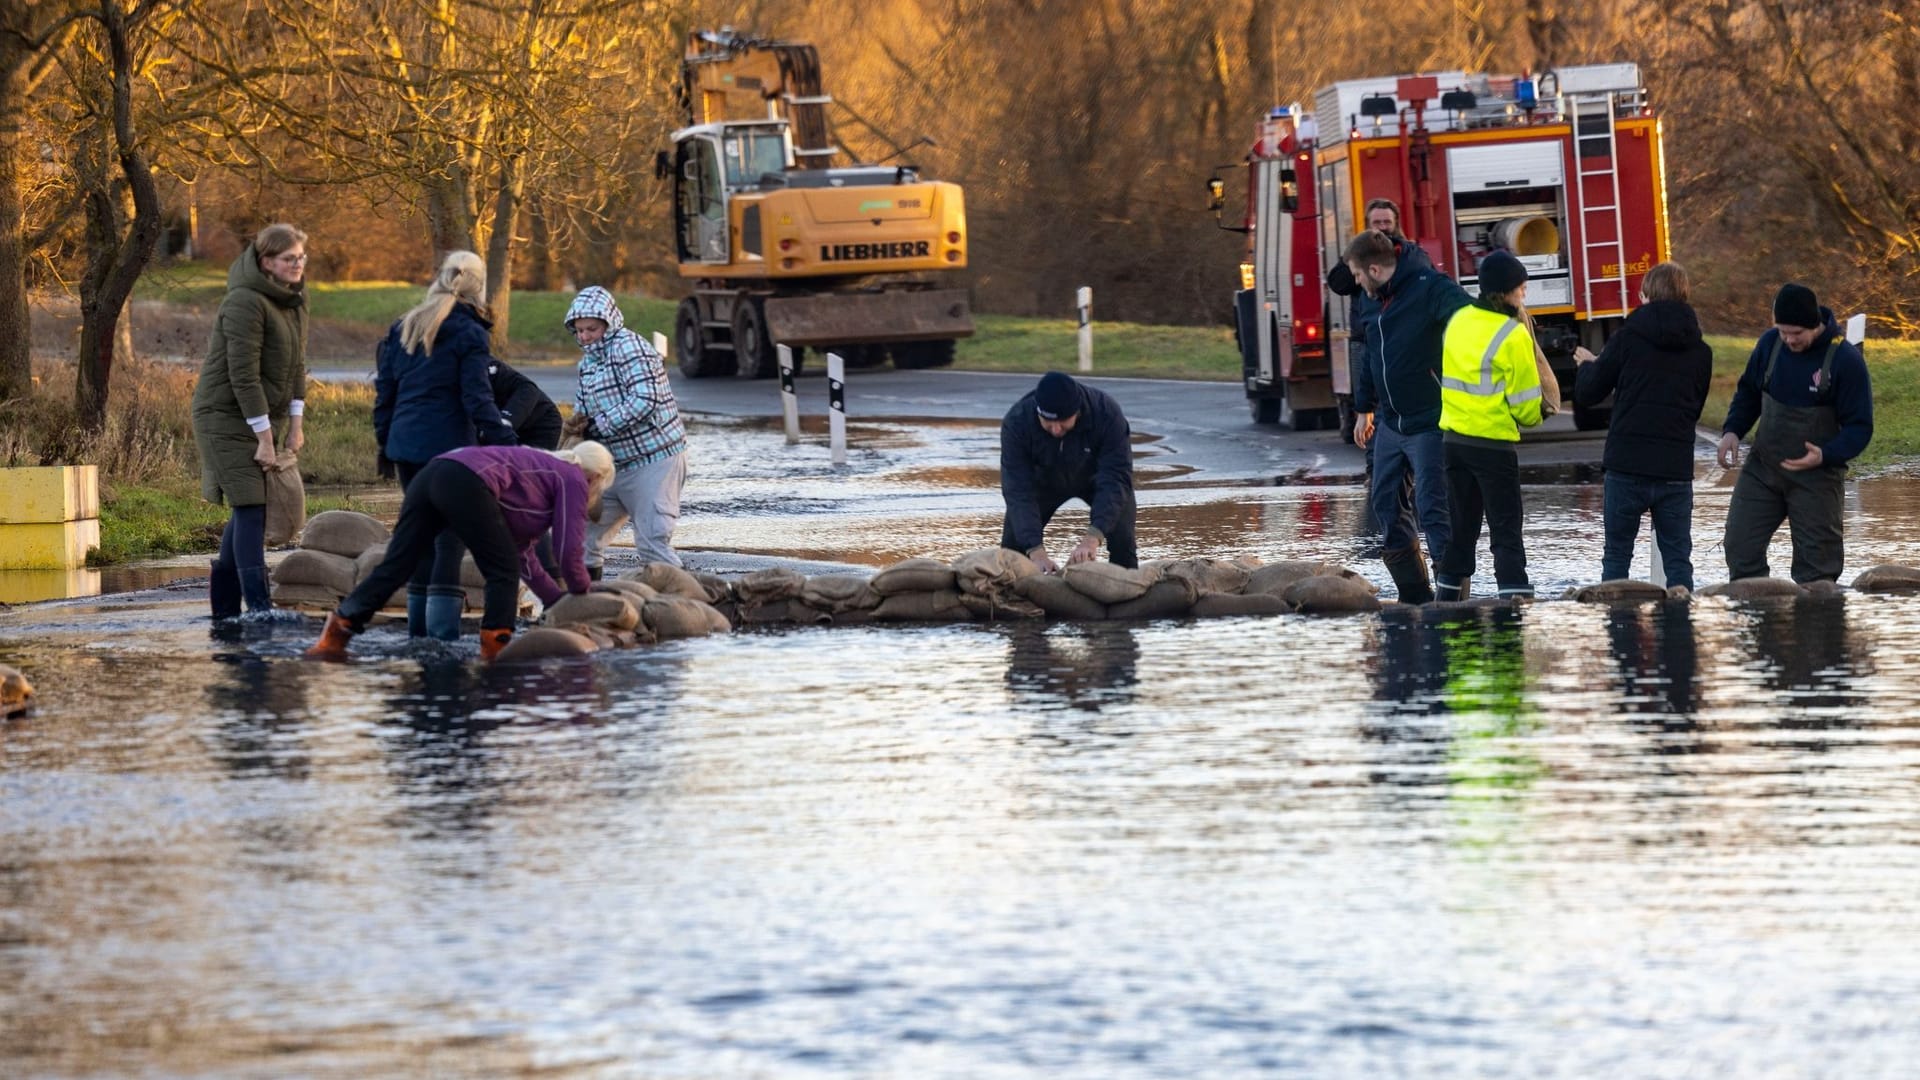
(491, 642)
(333, 640)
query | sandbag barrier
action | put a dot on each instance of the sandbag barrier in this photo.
(338, 549)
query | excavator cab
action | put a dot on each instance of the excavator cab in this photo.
(713, 163)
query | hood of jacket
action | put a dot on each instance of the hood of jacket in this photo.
(595, 302)
(1667, 325)
(245, 273)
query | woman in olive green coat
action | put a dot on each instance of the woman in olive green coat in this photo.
(255, 376)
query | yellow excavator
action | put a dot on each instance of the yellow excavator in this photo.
(784, 246)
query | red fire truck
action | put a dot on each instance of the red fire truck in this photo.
(1564, 170)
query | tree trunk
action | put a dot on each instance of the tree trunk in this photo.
(506, 215)
(16, 370)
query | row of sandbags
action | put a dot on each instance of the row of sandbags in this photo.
(1879, 579)
(654, 603)
(338, 549)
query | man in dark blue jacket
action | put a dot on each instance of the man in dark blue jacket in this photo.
(1067, 441)
(1809, 390)
(1396, 393)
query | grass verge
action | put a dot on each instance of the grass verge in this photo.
(1124, 350)
(1894, 367)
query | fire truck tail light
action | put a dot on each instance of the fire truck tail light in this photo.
(1313, 331)
(1246, 275)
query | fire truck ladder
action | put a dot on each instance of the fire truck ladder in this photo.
(1593, 129)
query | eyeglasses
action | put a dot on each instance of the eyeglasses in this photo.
(297, 260)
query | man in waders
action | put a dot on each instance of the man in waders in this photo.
(1809, 390)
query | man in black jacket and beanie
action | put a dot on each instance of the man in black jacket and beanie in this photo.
(535, 419)
(1067, 441)
(1809, 390)
(1658, 368)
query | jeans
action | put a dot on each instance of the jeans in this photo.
(1394, 456)
(1671, 503)
(1485, 481)
(649, 495)
(1121, 545)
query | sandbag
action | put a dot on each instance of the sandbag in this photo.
(991, 572)
(607, 637)
(939, 605)
(1888, 578)
(286, 499)
(608, 609)
(368, 561)
(545, 643)
(1214, 605)
(470, 575)
(1619, 591)
(16, 693)
(307, 596)
(719, 589)
(1274, 578)
(672, 617)
(781, 612)
(304, 567)
(837, 593)
(1330, 595)
(1754, 588)
(667, 579)
(915, 576)
(1211, 576)
(634, 592)
(1054, 596)
(767, 586)
(1002, 609)
(858, 617)
(1108, 583)
(717, 620)
(1168, 598)
(342, 532)
(1823, 587)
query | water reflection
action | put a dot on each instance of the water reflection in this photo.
(1088, 666)
(259, 717)
(1653, 645)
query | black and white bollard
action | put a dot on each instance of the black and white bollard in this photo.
(837, 406)
(1084, 301)
(789, 401)
(1656, 566)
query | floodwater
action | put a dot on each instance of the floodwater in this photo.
(1564, 840)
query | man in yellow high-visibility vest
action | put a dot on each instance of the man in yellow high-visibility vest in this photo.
(1489, 390)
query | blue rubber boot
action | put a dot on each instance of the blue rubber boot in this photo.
(444, 605)
(416, 612)
(256, 589)
(223, 591)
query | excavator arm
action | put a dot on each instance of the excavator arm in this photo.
(729, 76)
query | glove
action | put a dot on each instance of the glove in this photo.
(385, 469)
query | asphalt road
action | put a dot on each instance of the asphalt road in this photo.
(1204, 426)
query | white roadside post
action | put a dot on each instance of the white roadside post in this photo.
(789, 401)
(1084, 301)
(1857, 329)
(1656, 566)
(837, 406)
(660, 345)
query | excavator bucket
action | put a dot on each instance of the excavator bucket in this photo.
(870, 318)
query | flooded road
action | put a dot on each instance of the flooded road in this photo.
(1565, 840)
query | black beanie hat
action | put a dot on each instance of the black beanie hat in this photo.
(1501, 273)
(1795, 305)
(1057, 397)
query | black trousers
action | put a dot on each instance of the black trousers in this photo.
(1120, 542)
(442, 565)
(1484, 482)
(445, 497)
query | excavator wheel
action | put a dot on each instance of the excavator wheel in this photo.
(912, 355)
(689, 339)
(857, 356)
(753, 352)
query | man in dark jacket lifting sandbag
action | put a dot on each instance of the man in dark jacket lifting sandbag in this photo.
(1067, 441)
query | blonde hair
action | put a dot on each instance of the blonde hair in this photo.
(462, 279)
(1666, 281)
(276, 239)
(597, 462)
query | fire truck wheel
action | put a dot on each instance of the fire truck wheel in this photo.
(689, 339)
(1265, 410)
(753, 352)
(912, 355)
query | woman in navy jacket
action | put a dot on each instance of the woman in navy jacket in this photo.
(431, 395)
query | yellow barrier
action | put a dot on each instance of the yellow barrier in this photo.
(49, 517)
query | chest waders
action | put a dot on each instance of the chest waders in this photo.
(1809, 500)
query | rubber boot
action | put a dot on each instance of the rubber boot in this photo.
(444, 606)
(333, 640)
(256, 589)
(416, 612)
(1409, 572)
(594, 573)
(491, 642)
(1445, 592)
(223, 591)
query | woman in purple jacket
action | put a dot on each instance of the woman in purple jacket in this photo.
(499, 500)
